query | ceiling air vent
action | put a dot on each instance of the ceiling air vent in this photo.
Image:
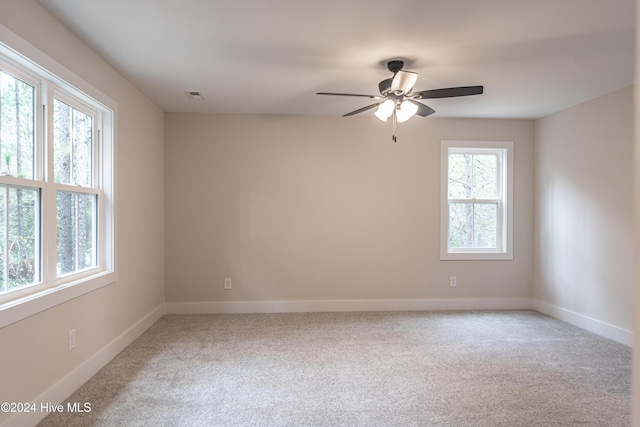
(194, 94)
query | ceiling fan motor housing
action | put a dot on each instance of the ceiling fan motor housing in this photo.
(395, 65)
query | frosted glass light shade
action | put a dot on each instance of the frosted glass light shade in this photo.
(407, 110)
(385, 110)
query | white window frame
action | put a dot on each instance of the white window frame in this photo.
(504, 251)
(56, 80)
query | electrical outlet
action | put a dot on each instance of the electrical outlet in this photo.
(227, 283)
(72, 339)
(453, 281)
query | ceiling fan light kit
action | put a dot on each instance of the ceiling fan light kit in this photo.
(406, 110)
(385, 110)
(397, 99)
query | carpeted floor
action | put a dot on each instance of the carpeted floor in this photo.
(497, 368)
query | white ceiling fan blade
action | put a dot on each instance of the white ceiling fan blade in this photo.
(403, 81)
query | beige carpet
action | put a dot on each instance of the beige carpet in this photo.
(498, 368)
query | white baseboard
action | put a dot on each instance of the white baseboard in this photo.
(60, 391)
(590, 324)
(348, 305)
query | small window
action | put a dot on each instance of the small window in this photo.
(476, 212)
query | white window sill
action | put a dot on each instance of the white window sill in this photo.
(476, 256)
(21, 308)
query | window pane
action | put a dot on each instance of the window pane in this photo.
(17, 126)
(460, 174)
(485, 182)
(19, 237)
(461, 225)
(473, 225)
(485, 219)
(72, 145)
(76, 238)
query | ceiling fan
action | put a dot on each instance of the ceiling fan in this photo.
(397, 99)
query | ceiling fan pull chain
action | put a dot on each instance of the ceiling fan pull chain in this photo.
(394, 127)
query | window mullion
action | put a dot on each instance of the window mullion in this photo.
(49, 199)
(40, 150)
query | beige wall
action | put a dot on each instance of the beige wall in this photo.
(324, 208)
(34, 351)
(584, 209)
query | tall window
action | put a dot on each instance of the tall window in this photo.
(56, 186)
(76, 196)
(476, 213)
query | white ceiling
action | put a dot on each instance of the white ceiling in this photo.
(534, 57)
